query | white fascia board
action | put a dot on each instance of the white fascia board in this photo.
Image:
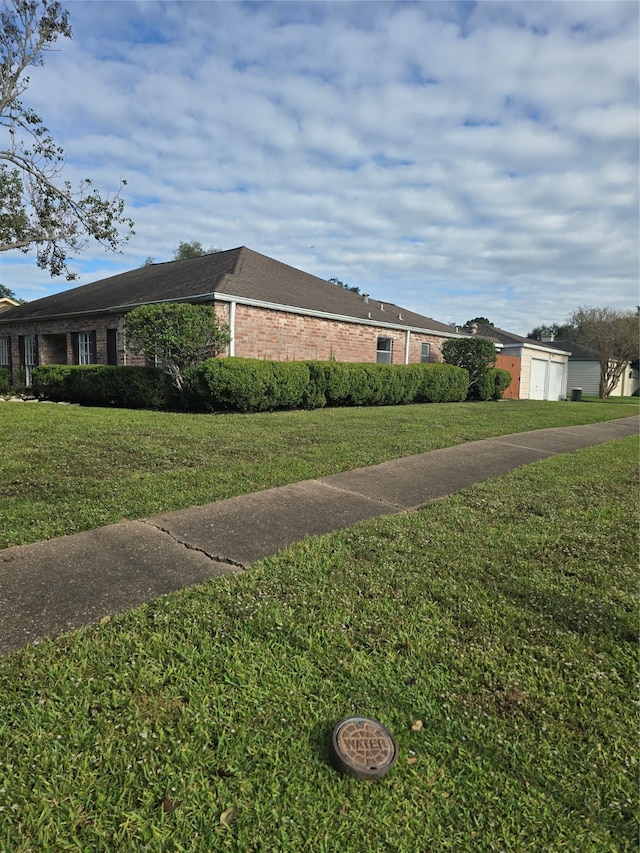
(537, 346)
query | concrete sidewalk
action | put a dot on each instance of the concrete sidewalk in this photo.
(56, 586)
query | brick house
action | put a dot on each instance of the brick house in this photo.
(274, 311)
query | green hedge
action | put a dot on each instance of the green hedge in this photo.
(105, 385)
(5, 380)
(246, 385)
(251, 385)
(441, 383)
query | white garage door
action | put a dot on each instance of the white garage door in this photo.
(538, 379)
(556, 381)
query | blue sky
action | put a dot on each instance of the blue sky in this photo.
(458, 159)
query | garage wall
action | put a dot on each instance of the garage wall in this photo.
(543, 375)
(513, 364)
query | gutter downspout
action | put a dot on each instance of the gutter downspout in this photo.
(232, 328)
(406, 346)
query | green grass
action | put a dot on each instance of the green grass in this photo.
(66, 469)
(503, 618)
(590, 398)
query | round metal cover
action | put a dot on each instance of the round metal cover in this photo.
(363, 748)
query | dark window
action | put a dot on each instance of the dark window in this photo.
(385, 350)
(426, 353)
(5, 352)
(112, 346)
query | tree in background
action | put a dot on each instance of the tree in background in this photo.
(37, 208)
(194, 249)
(480, 321)
(339, 283)
(184, 251)
(613, 335)
(177, 335)
(7, 293)
(554, 331)
(475, 354)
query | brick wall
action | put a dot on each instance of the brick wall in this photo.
(55, 339)
(276, 335)
(259, 333)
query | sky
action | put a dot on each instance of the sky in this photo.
(457, 159)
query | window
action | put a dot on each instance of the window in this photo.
(28, 356)
(5, 352)
(112, 346)
(84, 347)
(385, 350)
(425, 355)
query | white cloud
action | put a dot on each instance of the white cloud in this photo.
(456, 159)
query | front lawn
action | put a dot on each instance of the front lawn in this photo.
(494, 633)
(66, 469)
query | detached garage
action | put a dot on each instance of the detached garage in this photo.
(543, 367)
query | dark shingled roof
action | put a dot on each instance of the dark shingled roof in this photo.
(239, 272)
(497, 335)
(500, 336)
(578, 351)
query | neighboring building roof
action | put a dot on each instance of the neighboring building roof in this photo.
(506, 339)
(6, 302)
(578, 351)
(236, 273)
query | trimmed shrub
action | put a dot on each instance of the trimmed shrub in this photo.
(246, 385)
(5, 380)
(441, 383)
(252, 385)
(482, 389)
(328, 384)
(501, 381)
(490, 385)
(105, 385)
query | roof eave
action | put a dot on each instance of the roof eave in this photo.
(243, 300)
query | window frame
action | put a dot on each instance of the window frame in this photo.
(425, 357)
(84, 347)
(384, 354)
(5, 351)
(28, 356)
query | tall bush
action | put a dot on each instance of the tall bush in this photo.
(475, 355)
(177, 335)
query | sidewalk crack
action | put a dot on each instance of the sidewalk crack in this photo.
(213, 557)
